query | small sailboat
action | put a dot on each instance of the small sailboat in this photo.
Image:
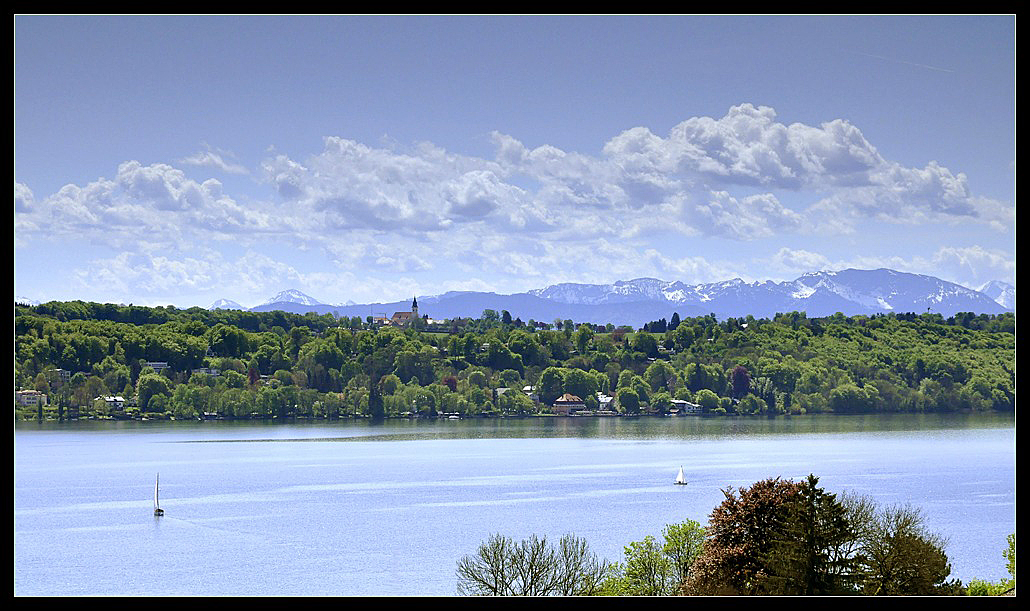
(157, 503)
(680, 480)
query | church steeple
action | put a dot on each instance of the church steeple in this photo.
(414, 308)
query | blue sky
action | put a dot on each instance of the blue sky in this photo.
(179, 160)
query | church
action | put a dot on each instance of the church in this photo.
(404, 319)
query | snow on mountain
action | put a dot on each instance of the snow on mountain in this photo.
(1002, 292)
(226, 304)
(635, 302)
(25, 301)
(293, 296)
(850, 291)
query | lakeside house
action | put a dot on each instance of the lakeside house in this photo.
(684, 408)
(568, 404)
(29, 397)
(113, 402)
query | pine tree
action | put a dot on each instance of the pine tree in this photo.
(801, 561)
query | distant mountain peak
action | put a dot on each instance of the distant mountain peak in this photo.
(293, 296)
(226, 304)
(1002, 292)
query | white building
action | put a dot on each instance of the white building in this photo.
(29, 397)
(685, 407)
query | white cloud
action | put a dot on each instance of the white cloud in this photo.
(155, 203)
(537, 215)
(212, 159)
(970, 266)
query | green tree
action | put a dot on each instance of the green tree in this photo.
(628, 400)
(900, 557)
(683, 543)
(661, 376)
(150, 385)
(551, 385)
(801, 558)
(707, 399)
(647, 571)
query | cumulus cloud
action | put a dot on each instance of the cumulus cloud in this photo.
(540, 213)
(157, 203)
(791, 262)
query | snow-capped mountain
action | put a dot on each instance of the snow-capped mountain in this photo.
(1002, 292)
(293, 296)
(25, 301)
(635, 302)
(226, 304)
(849, 291)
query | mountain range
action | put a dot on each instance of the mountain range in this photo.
(635, 302)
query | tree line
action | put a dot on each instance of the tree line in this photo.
(776, 537)
(277, 364)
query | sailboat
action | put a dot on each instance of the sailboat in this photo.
(157, 503)
(680, 480)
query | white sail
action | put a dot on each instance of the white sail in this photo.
(679, 478)
(157, 484)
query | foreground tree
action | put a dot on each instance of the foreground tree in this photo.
(653, 569)
(532, 567)
(784, 538)
(900, 557)
(741, 532)
(803, 558)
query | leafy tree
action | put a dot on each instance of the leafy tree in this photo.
(740, 380)
(900, 557)
(628, 400)
(532, 567)
(150, 385)
(741, 532)
(801, 559)
(707, 399)
(647, 571)
(645, 343)
(577, 382)
(551, 385)
(661, 376)
(683, 543)
(1010, 557)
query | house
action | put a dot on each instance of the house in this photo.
(568, 404)
(61, 378)
(29, 397)
(157, 366)
(530, 391)
(681, 407)
(113, 402)
(604, 402)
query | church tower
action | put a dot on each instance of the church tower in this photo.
(414, 308)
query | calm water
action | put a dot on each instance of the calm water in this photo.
(354, 509)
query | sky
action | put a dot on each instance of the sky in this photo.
(178, 160)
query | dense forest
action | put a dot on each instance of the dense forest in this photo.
(238, 364)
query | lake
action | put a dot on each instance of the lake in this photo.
(350, 508)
